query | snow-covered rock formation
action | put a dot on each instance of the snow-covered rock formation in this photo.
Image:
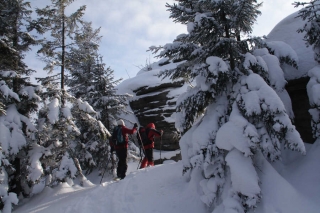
(154, 101)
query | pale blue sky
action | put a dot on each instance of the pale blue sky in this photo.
(130, 27)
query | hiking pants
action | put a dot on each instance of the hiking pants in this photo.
(122, 164)
(148, 159)
(149, 155)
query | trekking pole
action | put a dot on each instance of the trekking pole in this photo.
(139, 162)
(144, 152)
(106, 167)
(160, 148)
(140, 157)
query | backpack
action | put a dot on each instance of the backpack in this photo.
(143, 132)
(117, 136)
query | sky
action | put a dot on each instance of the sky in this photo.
(129, 28)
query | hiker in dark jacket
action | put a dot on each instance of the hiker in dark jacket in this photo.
(151, 133)
(121, 150)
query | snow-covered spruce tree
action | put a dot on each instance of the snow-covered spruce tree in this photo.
(18, 96)
(232, 118)
(82, 60)
(91, 146)
(66, 140)
(103, 95)
(99, 88)
(12, 141)
(92, 82)
(85, 135)
(52, 156)
(310, 12)
(53, 19)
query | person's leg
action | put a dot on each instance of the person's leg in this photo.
(122, 163)
(150, 157)
(125, 164)
(144, 162)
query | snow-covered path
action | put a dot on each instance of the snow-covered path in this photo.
(158, 189)
(163, 189)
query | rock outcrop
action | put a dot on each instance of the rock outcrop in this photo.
(156, 105)
(154, 101)
(297, 90)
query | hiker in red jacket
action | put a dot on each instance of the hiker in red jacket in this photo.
(151, 133)
(121, 149)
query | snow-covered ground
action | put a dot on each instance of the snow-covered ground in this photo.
(292, 188)
(155, 189)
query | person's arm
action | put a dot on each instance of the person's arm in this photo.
(125, 130)
(154, 132)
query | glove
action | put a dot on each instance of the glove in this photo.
(135, 125)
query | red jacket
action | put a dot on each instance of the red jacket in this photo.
(151, 134)
(125, 132)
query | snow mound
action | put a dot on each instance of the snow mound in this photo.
(286, 31)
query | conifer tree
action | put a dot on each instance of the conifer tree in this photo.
(62, 27)
(57, 130)
(92, 82)
(91, 146)
(66, 140)
(70, 137)
(18, 97)
(236, 85)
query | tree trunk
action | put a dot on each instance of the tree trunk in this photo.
(62, 54)
(15, 86)
(17, 177)
(227, 29)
